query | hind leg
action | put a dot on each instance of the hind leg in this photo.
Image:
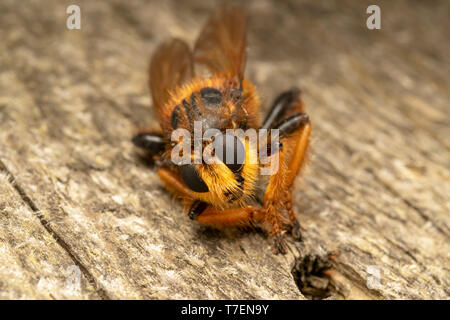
(294, 132)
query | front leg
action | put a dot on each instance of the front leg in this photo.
(294, 137)
(285, 105)
(151, 142)
(212, 216)
(205, 213)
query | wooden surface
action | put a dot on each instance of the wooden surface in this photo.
(75, 198)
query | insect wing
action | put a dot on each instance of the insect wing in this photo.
(171, 66)
(221, 44)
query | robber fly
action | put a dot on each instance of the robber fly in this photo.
(221, 194)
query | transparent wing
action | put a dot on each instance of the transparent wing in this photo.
(171, 65)
(221, 44)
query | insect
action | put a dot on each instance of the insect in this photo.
(223, 194)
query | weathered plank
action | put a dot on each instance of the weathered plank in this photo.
(377, 188)
(33, 264)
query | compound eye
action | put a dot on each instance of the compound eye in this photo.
(230, 150)
(192, 179)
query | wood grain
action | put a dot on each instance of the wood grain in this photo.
(74, 191)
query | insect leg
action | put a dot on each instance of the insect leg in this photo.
(244, 216)
(207, 214)
(294, 134)
(197, 209)
(151, 142)
(287, 103)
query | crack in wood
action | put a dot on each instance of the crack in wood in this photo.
(27, 200)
